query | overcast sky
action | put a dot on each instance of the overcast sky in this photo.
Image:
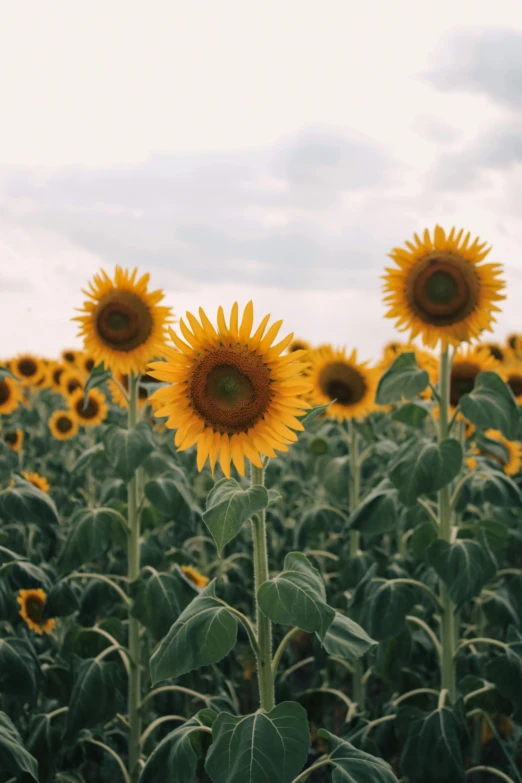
(267, 149)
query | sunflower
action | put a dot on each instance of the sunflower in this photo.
(514, 344)
(85, 363)
(70, 381)
(14, 439)
(28, 368)
(123, 324)
(56, 371)
(338, 377)
(93, 412)
(195, 577)
(440, 289)
(37, 481)
(512, 372)
(231, 391)
(63, 425)
(32, 603)
(299, 345)
(513, 450)
(465, 367)
(117, 395)
(10, 395)
(70, 356)
(495, 350)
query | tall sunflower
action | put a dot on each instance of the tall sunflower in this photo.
(28, 368)
(231, 392)
(63, 425)
(93, 411)
(336, 376)
(70, 381)
(122, 323)
(40, 482)
(14, 439)
(513, 376)
(441, 290)
(11, 395)
(465, 367)
(32, 603)
(116, 393)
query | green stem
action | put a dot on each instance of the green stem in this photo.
(359, 691)
(264, 626)
(447, 626)
(134, 626)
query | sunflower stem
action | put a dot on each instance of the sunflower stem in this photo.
(448, 624)
(265, 676)
(134, 696)
(359, 690)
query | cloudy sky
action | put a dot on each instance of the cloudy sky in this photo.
(268, 149)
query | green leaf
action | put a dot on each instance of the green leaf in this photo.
(39, 743)
(93, 698)
(402, 381)
(491, 486)
(377, 513)
(505, 671)
(388, 603)
(61, 600)
(159, 599)
(88, 456)
(432, 751)
(20, 672)
(352, 765)
(98, 376)
(315, 413)
(464, 566)
(170, 496)
(204, 633)
(229, 507)
(24, 575)
(346, 639)
(177, 755)
(422, 538)
(14, 758)
(425, 467)
(491, 405)
(411, 414)
(89, 538)
(128, 449)
(8, 461)
(25, 503)
(297, 597)
(266, 747)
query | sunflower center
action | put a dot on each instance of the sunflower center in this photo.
(89, 365)
(69, 356)
(124, 321)
(57, 374)
(90, 410)
(11, 437)
(64, 424)
(34, 608)
(462, 381)
(496, 352)
(514, 383)
(27, 367)
(231, 389)
(342, 383)
(73, 384)
(5, 392)
(443, 290)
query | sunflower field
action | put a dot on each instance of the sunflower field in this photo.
(230, 556)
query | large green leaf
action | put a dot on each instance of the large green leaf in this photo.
(14, 758)
(62, 600)
(505, 671)
(88, 456)
(25, 503)
(346, 639)
(266, 747)
(297, 596)
(465, 566)
(229, 507)
(89, 538)
(177, 754)
(159, 599)
(402, 381)
(491, 405)
(425, 467)
(411, 414)
(388, 603)
(203, 634)
(352, 765)
(377, 513)
(20, 672)
(491, 486)
(432, 752)
(94, 696)
(128, 449)
(170, 495)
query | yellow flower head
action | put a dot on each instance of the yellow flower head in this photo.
(37, 481)
(32, 603)
(11, 395)
(513, 449)
(122, 322)
(440, 289)
(70, 356)
(70, 381)
(512, 372)
(14, 439)
(85, 363)
(63, 425)
(28, 368)
(232, 391)
(299, 345)
(336, 376)
(195, 577)
(89, 413)
(495, 350)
